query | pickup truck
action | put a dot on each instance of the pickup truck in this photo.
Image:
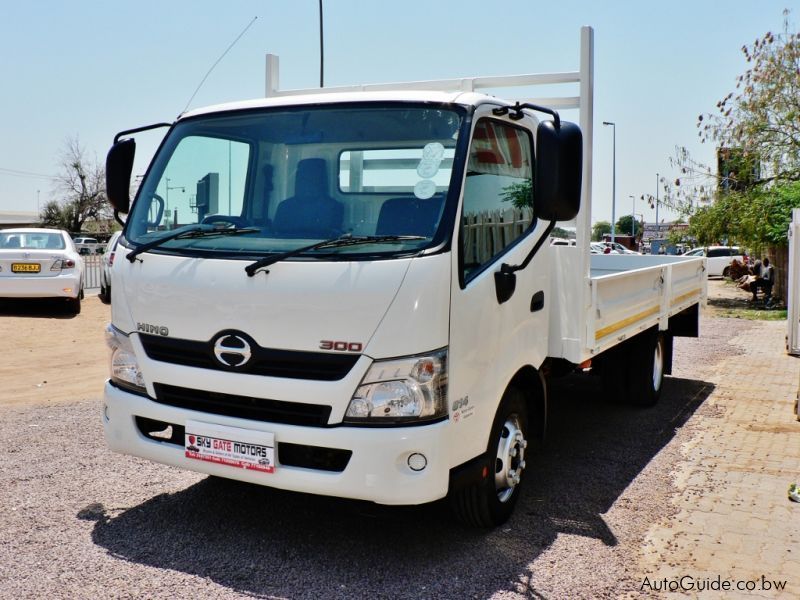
(358, 299)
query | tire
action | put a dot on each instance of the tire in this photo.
(105, 294)
(726, 271)
(633, 372)
(491, 501)
(646, 373)
(74, 305)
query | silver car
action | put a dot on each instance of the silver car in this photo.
(105, 274)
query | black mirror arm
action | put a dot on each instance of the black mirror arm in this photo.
(506, 268)
(138, 129)
(517, 112)
(118, 219)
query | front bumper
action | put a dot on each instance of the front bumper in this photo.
(377, 470)
(57, 286)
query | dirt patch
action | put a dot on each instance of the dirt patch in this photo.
(50, 357)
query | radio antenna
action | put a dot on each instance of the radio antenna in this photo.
(228, 49)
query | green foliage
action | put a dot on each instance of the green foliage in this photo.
(624, 226)
(519, 194)
(756, 218)
(57, 216)
(559, 232)
(599, 229)
(756, 129)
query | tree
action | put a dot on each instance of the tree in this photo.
(81, 185)
(762, 118)
(599, 229)
(624, 226)
(56, 215)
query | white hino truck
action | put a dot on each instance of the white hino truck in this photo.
(351, 293)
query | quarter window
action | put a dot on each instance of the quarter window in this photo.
(498, 193)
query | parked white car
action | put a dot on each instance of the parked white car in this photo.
(719, 258)
(86, 245)
(600, 248)
(40, 263)
(105, 274)
(618, 248)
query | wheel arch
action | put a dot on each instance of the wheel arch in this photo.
(533, 384)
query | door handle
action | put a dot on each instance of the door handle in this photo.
(537, 302)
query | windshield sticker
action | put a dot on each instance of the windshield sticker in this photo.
(427, 168)
(424, 189)
(433, 151)
(432, 155)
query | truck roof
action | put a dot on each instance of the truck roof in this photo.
(461, 98)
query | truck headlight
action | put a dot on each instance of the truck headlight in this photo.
(124, 366)
(412, 388)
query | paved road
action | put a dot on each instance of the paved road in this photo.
(78, 521)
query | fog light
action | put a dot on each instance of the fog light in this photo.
(417, 462)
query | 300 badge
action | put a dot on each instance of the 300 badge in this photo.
(341, 346)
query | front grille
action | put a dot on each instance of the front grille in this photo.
(290, 364)
(244, 407)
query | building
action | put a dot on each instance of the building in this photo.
(9, 219)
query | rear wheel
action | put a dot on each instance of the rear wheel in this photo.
(491, 501)
(74, 305)
(726, 271)
(633, 372)
(105, 294)
(647, 369)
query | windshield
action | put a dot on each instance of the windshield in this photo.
(294, 177)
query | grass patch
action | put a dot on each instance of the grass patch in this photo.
(752, 314)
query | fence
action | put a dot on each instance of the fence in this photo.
(487, 233)
(92, 270)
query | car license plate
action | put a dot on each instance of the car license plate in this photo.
(25, 267)
(232, 446)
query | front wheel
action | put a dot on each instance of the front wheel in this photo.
(491, 501)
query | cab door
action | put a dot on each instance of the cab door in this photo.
(489, 340)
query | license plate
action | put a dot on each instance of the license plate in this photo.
(231, 446)
(25, 267)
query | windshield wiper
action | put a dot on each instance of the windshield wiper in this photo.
(338, 242)
(191, 232)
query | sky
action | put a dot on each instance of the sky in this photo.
(88, 69)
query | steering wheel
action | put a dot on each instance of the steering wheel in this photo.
(229, 219)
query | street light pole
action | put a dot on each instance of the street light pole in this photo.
(613, 178)
(633, 216)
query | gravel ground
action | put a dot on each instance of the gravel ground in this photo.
(78, 521)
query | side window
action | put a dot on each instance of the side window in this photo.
(717, 252)
(498, 193)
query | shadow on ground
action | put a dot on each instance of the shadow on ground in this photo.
(265, 542)
(46, 308)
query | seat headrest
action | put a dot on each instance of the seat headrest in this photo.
(311, 178)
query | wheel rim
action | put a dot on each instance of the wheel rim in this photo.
(658, 366)
(510, 460)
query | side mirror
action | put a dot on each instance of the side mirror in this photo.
(119, 165)
(559, 166)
